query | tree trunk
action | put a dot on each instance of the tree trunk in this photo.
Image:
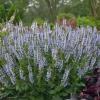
(93, 6)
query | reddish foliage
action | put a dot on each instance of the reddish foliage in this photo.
(92, 88)
(73, 23)
(97, 98)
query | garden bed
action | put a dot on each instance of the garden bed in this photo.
(46, 64)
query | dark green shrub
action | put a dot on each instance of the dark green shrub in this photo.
(98, 24)
(65, 15)
(39, 21)
(85, 21)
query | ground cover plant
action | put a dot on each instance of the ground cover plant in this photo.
(91, 91)
(38, 63)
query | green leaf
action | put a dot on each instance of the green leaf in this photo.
(56, 90)
(37, 98)
(22, 86)
(56, 97)
(2, 34)
(2, 62)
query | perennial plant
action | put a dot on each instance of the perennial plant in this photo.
(38, 63)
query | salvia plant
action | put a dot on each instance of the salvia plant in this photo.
(38, 63)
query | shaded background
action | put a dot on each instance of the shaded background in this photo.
(29, 10)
